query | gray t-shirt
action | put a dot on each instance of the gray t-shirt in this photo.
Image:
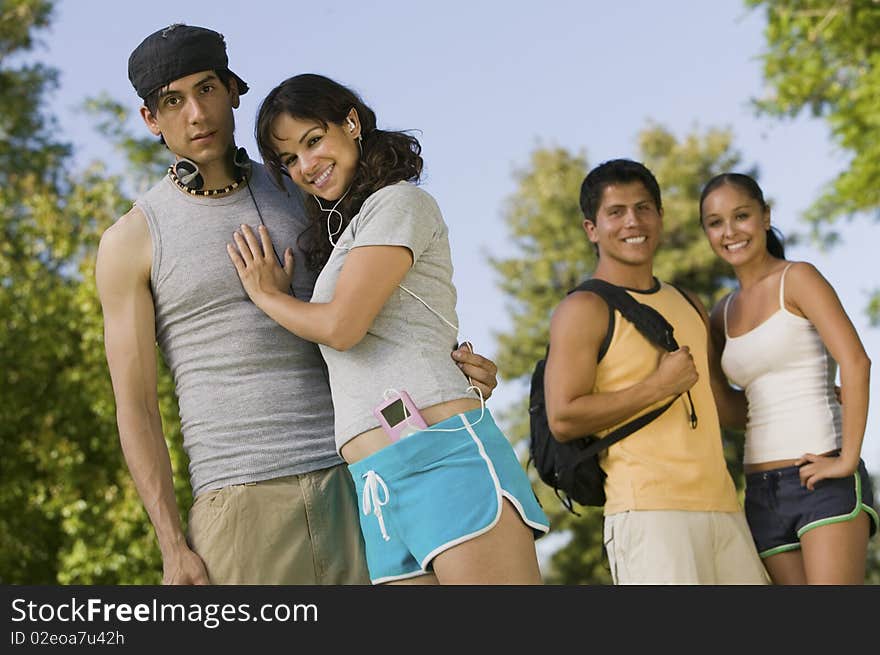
(407, 347)
(254, 398)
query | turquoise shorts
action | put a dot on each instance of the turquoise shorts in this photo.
(434, 490)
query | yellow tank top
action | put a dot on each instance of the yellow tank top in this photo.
(667, 465)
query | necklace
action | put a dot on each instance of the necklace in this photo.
(206, 192)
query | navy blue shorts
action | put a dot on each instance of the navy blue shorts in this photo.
(779, 510)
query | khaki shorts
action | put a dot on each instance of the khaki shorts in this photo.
(682, 548)
(296, 530)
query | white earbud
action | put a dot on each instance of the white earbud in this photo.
(350, 125)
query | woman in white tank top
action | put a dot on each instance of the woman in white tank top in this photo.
(780, 338)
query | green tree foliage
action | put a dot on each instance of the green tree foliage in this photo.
(823, 57)
(69, 512)
(554, 255)
(145, 158)
(543, 221)
(28, 251)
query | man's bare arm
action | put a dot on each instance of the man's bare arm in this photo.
(122, 275)
(577, 330)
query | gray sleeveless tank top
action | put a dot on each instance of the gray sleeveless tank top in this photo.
(254, 399)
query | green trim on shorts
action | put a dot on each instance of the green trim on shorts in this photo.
(779, 549)
(843, 517)
(872, 513)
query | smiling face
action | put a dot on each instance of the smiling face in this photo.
(628, 225)
(194, 116)
(736, 224)
(320, 160)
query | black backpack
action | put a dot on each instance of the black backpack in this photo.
(572, 468)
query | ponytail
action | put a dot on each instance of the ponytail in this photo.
(775, 243)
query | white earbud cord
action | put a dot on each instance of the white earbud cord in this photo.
(389, 393)
(431, 309)
(472, 386)
(330, 213)
(331, 234)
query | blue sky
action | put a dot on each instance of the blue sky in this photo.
(487, 82)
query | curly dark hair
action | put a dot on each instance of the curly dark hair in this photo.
(386, 157)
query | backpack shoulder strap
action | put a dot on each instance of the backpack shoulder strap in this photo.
(606, 342)
(646, 319)
(623, 431)
(654, 327)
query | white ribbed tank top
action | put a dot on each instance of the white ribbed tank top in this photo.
(788, 377)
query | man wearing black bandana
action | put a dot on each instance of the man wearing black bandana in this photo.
(273, 501)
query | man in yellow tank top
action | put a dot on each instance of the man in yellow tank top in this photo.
(672, 515)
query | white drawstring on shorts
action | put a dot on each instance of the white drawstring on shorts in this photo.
(372, 501)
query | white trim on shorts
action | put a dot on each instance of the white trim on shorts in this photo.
(405, 576)
(544, 529)
(495, 481)
(499, 494)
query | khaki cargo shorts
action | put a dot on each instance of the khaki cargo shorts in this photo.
(296, 530)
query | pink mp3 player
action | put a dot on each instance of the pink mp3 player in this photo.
(399, 416)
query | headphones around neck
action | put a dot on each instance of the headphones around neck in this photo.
(188, 172)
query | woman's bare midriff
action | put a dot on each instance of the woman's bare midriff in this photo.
(760, 467)
(371, 441)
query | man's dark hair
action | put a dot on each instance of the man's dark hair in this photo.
(615, 171)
